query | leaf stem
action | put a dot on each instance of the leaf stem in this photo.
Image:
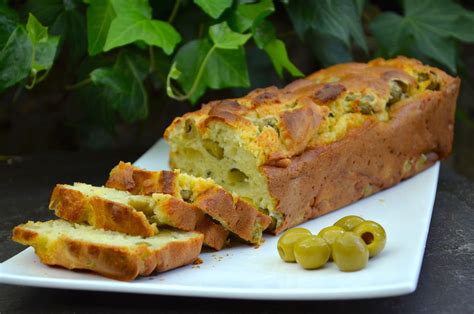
(174, 11)
(33, 82)
(36, 79)
(197, 79)
(43, 76)
(79, 84)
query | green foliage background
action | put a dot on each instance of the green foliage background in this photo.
(115, 60)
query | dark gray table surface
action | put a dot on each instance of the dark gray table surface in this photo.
(446, 283)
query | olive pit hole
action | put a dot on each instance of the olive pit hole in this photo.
(367, 237)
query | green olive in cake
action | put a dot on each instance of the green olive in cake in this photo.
(312, 252)
(373, 235)
(349, 222)
(350, 253)
(287, 241)
(213, 148)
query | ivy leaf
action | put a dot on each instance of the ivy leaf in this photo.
(231, 66)
(263, 34)
(249, 15)
(223, 37)
(44, 46)
(128, 29)
(65, 19)
(213, 8)
(135, 68)
(8, 22)
(202, 55)
(393, 24)
(112, 78)
(138, 7)
(445, 17)
(265, 38)
(47, 11)
(334, 52)
(427, 28)
(186, 67)
(99, 17)
(133, 23)
(45, 53)
(36, 31)
(360, 5)
(124, 83)
(338, 18)
(15, 58)
(277, 51)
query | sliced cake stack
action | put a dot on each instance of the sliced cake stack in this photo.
(141, 221)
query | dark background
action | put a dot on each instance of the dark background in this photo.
(44, 140)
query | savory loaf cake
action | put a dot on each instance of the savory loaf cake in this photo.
(321, 142)
(108, 253)
(121, 211)
(232, 212)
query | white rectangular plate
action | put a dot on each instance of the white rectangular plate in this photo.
(246, 272)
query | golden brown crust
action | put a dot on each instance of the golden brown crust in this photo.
(216, 202)
(74, 206)
(368, 159)
(309, 96)
(340, 134)
(126, 177)
(215, 236)
(180, 214)
(226, 110)
(185, 216)
(116, 262)
(238, 217)
(166, 183)
(176, 254)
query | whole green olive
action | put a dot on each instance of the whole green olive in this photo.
(287, 241)
(330, 234)
(373, 235)
(350, 252)
(312, 252)
(349, 222)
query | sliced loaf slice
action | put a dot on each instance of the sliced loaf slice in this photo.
(234, 213)
(111, 254)
(121, 211)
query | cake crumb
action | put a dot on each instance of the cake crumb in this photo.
(198, 261)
